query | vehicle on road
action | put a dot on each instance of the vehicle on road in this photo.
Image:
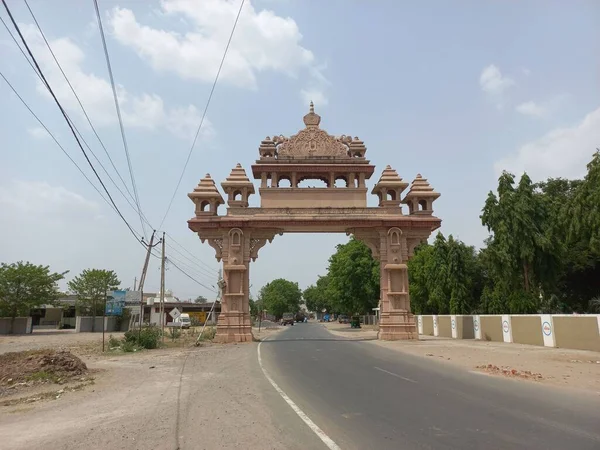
(184, 320)
(288, 319)
(343, 318)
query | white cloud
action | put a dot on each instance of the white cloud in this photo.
(543, 109)
(262, 42)
(492, 81)
(526, 71)
(532, 109)
(563, 152)
(314, 95)
(145, 111)
(38, 133)
(494, 84)
(42, 199)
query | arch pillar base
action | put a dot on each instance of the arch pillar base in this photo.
(234, 327)
(397, 326)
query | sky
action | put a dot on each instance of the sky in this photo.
(457, 91)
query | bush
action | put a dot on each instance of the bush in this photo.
(208, 334)
(128, 346)
(113, 342)
(148, 337)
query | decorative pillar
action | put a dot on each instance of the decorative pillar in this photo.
(361, 180)
(263, 180)
(236, 248)
(396, 322)
(331, 179)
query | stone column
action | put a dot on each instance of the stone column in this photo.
(397, 321)
(236, 248)
(234, 323)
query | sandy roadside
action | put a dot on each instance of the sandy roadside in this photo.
(559, 367)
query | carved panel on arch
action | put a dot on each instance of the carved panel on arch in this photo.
(370, 238)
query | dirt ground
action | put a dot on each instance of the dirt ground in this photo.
(577, 369)
(213, 396)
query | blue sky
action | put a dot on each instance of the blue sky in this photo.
(456, 91)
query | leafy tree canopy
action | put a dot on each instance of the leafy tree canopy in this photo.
(24, 286)
(280, 296)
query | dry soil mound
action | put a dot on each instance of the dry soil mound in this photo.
(39, 366)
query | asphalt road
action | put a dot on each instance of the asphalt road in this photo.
(367, 397)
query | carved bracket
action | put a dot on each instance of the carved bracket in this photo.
(369, 237)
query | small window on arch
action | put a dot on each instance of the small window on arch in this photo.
(237, 195)
(395, 237)
(284, 183)
(422, 205)
(205, 206)
(391, 195)
(341, 182)
(236, 238)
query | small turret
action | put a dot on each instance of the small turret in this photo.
(206, 197)
(389, 188)
(420, 197)
(238, 188)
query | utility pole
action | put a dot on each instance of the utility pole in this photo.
(143, 279)
(162, 289)
(134, 283)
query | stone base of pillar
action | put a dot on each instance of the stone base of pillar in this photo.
(397, 326)
(233, 327)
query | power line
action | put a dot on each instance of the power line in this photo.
(203, 116)
(118, 108)
(72, 125)
(55, 140)
(191, 254)
(74, 93)
(75, 126)
(190, 277)
(16, 26)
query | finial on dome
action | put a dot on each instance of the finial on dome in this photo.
(419, 175)
(312, 119)
(238, 165)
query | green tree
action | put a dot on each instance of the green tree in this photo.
(353, 278)
(316, 296)
(90, 287)
(200, 299)
(24, 286)
(523, 251)
(280, 296)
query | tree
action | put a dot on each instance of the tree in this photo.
(353, 278)
(90, 287)
(316, 296)
(201, 299)
(24, 286)
(280, 296)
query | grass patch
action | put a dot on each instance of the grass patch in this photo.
(43, 376)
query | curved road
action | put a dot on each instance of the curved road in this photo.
(364, 396)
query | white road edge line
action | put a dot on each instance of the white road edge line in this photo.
(331, 445)
(395, 375)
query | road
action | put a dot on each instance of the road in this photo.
(363, 396)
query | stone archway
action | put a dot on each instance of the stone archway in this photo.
(313, 154)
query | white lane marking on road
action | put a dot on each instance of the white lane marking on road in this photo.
(395, 375)
(313, 426)
(475, 372)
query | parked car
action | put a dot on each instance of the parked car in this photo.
(288, 319)
(343, 318)
(184, 320)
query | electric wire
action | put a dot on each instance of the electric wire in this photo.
(118, 108)
(203, 116)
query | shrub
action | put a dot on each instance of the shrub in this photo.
(148, 337)
(128, 346)
(113, 342)
(208, 334)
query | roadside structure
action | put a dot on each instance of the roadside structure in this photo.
(339, 207)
